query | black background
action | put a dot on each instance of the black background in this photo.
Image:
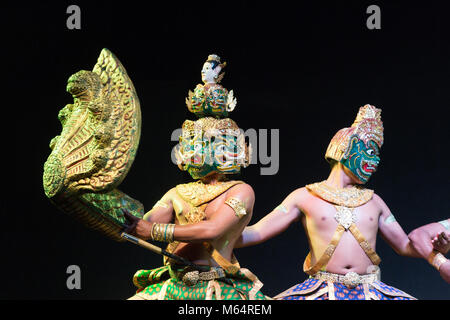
(303, 69)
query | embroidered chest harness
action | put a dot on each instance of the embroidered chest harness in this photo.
(345, 201)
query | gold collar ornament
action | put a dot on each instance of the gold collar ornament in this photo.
(346, 197)
(198, 195)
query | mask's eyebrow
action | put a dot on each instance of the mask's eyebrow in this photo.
(373, 144)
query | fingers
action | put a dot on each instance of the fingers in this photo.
(132, 221)
(130, 218)
(131, 228)
(441, 236)
(434, 241)
(441, 239)
(137, 226)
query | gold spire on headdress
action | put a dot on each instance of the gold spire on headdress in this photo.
(369, 125)
(212, 99)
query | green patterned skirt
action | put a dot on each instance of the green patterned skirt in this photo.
(165, 283)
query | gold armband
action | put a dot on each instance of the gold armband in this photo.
(436, 259)
(238, 206)
(161, 204)
(162, 232)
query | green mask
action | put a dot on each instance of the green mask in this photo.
(196, 158)
(202, 152)
(361, 159)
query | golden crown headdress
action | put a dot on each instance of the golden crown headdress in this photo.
(212, 128)
(367, 126)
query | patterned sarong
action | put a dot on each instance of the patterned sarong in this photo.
(314, 289)
(165, 283)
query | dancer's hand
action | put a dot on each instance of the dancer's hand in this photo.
(137, 226)
(441, 242)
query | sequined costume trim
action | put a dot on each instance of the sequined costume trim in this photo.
(348, 197)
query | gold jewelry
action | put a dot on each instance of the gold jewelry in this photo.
(345, 216)
(436, 259)
(152, 231)
(156, 232)
(198, 194)
(162, 232)
(238, 206)
(193, 277)
(350, 279)
(170, 232)
(344, 200)
(347, 197)
(161, 204)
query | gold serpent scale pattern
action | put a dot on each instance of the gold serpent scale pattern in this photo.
(97, 145)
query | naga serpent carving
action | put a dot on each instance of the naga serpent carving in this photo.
(96, 148)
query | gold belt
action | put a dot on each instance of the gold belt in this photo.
(192, 277)
(350, 279)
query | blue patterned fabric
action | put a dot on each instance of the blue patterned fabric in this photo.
(311, 287)
(299, 291)
(305, 285)
(341, 292)
(386, 292)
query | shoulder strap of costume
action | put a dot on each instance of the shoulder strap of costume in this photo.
(326, 255)
(373, 256)
(229, 266)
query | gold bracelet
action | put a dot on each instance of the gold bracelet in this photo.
(151, 231)
(170, 232)
(436, 259)
(155, 232)
(163, 232)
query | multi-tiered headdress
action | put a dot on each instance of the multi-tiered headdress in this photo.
(213, 140)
